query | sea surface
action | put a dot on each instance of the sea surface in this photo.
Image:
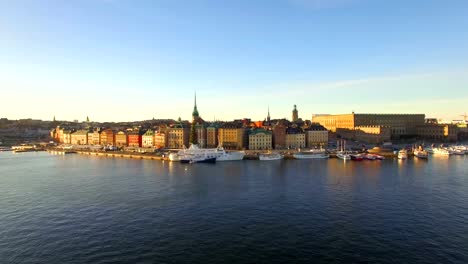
(83, 209)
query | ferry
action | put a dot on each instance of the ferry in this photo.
(403, 154)
(218, 153)
(311, 154)
(198, 158)
(270, 156)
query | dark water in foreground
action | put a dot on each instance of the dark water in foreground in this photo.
(81, 209)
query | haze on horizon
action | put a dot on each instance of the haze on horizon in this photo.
(122, 60)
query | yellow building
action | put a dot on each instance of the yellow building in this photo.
(178, 136)
(79, 137)
(121, 139)
(260, 139)
(147, 139)
(94, 138)
(231, 136)
(316, 135)
(399, 124)
(295, 138)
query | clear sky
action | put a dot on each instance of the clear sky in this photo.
(119, 60)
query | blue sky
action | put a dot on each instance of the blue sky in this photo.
(118, 60)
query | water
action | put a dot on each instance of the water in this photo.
(82, 209)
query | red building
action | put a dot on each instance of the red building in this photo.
(134, 139)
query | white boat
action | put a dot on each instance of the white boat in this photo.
(441, 151)
(419, 153)
(342, 154)
(174, 157)
(270, 156)
(219, 153)
(456, 151)
(311, 154)
(462, 148)
(230, 156)
(403, 154)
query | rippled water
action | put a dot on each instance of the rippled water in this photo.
(81, 209)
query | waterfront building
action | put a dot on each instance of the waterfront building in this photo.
(279, 134)
(160, 140)
(200, 131)
(260, 139)
(438, 132)
(316, 135)
(295, 138)
(107, 137)
(295, 114)
(121, 139)
(231, 135)
(134, 139)
(66, 136)
(178, 135)
(79, 137)
(401, 125)
(369, 134)
(147, 139)
(212, 135)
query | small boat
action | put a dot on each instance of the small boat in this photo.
(403, 154)
(420, 153)
(357, 157)
(342, 154)
(456, 151)
(270, 156)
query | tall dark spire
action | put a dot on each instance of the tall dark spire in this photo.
(195, 114)
(268, 116)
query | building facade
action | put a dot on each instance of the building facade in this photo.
(160, 140)
(231, 136)
(212, 135)
(79, 137)
(279, 136)
(121, 139)
(147, 139)
(134, 139)
(438, 132)
(316, 135)
(178, 136)
(107, 137)
(401, 125)
(295, 138)
(260, 139)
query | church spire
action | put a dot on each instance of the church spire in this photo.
(268, 116)
(195, 114)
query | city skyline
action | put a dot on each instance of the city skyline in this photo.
(116, 60)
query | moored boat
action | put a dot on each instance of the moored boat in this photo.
(311, 154)
(420, 153)
(270, 156)
(403, 154)
(357, 157)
